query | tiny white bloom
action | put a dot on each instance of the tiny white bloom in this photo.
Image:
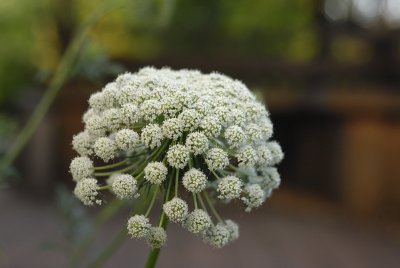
(81, 167)
(223, 115)
(176, 209)
(229, 187)
(264, 155)
(266, 128)
(83, 143)
(216, 158)
(172, 128)
(87, 191)
(138, 226)
(95, 125)
(217, 236)
(152, 136)
(129, 114)
(126, 139)
(190, 118)
(112, 119)
(253, 196)
(276, 151)
(105, 148)
(247, 156)
(124, 186)
(235, 136)
(155, 172)
(194, 180)
(197, 142)
(157, 237)
(150, 110)
(233, 229)
(211, 126)
(178, 156)
(197, 221)
(253, 132)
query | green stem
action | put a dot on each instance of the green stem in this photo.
(153, 255)
(112, 165)
(237, 170)
(195, 200)
(214, 211)
(154, 155)
(215, 174)
(61, 75)
(104, 174)
(110, 249)
(203, 206)
(153, 199)
(176, 182)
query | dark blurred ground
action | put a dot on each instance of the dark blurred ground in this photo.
(276, 235)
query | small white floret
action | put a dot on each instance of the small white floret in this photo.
(178, 156)
(229, 187)
(87, 191)
(138, 226)
(105, 148)
(81, 167)
(197, 143)
(194, 180)
(124, 186)
(126, 139)
(152, 136)
(155, 172)
(176, 209)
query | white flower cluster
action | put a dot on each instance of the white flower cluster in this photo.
(163, 129)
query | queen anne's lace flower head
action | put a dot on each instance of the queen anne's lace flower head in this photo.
(164, 132)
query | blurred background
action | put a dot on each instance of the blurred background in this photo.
(328, 70)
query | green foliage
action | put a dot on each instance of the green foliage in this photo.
(16, 50)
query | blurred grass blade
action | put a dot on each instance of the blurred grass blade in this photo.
(61, 75)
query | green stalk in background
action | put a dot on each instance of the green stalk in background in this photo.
(60, 77)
